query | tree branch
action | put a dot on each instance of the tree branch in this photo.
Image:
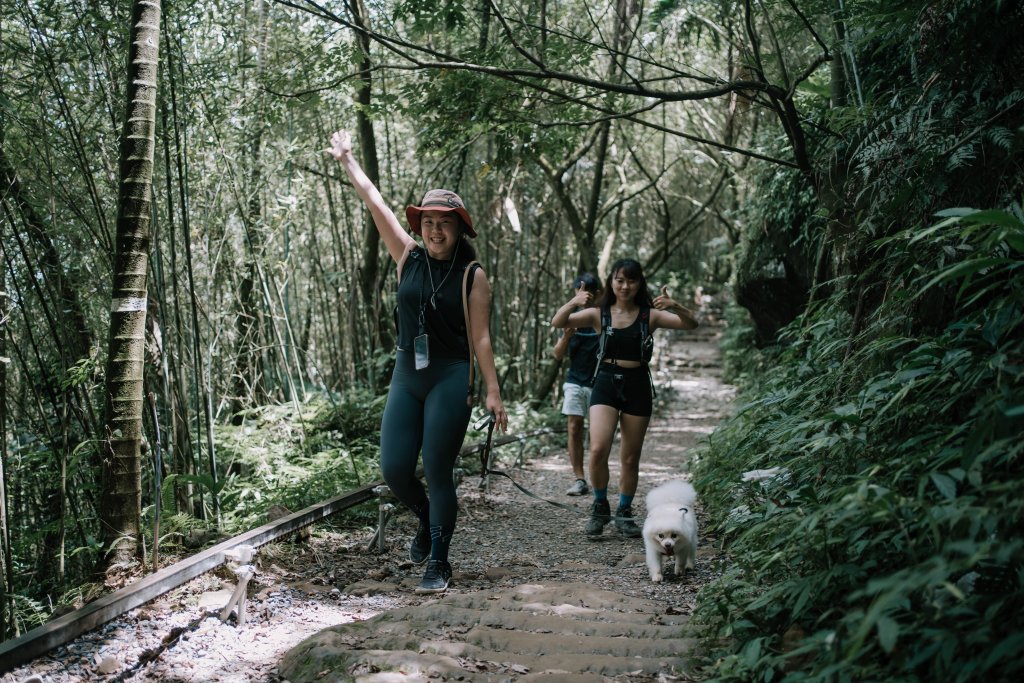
(421, 57)
(442, 60)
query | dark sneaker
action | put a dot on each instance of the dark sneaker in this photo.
(419, 548)
(436, 578)
(600, 515)
(579, 488)
(625, 524)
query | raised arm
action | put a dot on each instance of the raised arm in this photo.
(670, 314)
(395, 238)
(480, 338)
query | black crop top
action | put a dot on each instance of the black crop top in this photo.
(446, 326)
(624, 344)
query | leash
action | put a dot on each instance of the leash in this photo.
(485, 469)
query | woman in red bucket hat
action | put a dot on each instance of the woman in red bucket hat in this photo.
(427, 410)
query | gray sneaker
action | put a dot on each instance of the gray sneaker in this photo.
(600, 515)
(579, 488)
(625, 524)
(436, 577)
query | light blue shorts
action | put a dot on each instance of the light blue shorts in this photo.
(576, 401)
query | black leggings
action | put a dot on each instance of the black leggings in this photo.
(426, 410)
(625, 389)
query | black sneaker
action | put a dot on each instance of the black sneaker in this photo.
(600, 515)
(419, 548)
(625, 524)
(436, 578)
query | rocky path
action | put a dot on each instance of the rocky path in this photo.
(531, 598)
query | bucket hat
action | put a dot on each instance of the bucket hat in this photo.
(439, 200)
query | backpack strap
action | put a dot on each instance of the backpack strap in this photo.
(606, 329)
(647, 345)
(646, 340)
(469, 332)
(410, 249)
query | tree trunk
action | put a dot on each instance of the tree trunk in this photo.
(7, 622)
(121, 495)
(250, 381)
(584, 223)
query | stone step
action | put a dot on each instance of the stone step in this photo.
(564, 631)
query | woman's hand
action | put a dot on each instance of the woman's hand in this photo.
(494, 405)
(341, 144)
(663, 302)
(582, 299)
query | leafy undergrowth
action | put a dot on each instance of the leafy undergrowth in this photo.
(292, 456)
(887, 543)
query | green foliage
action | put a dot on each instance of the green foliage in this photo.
(943, 124)
(888, 547)
(93, 549)
(741, 361)
(83, 372)
(355, 415)
(521, 418)
(426, 15)
(663, 9)
(776, 258)
(204, 482)
(282, 457)
(452, 107)
(81, 595)
(28, 613)
(175, 528)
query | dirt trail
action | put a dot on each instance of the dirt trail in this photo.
(531, 598)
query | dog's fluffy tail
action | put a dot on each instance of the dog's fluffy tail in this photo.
(675, 491)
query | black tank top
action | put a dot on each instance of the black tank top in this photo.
(446, 326)
(624, 344)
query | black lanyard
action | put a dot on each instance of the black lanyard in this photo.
(434, 290)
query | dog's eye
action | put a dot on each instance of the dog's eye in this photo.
(674, 534)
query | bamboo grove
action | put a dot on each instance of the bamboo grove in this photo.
(780, 155)
(265, 282)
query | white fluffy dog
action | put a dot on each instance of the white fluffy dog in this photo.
(670, 529)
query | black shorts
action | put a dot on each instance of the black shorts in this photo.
(625, 389)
